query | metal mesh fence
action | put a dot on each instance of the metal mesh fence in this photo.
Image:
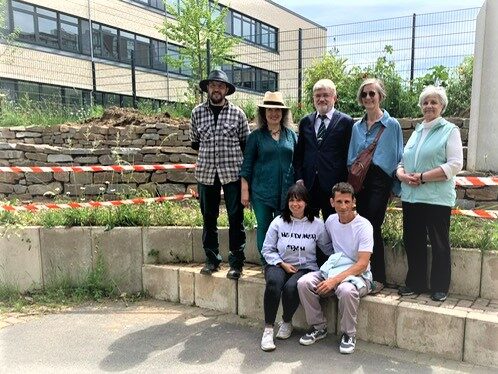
(416, 43)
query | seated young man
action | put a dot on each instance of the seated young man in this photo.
(347, 275)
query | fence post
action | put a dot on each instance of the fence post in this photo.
(133, 82)
(94, 84)
(300, 68)
(412, 64)
(208, 57)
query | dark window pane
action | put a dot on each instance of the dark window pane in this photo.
(47, 32)
(237, 25)
(46, 12)
(69, 19)
(109, 43)
(8, 87)
(127, 101)
(85, 37)
(28, 91)
(73, 97)
(158, 52)
(96, 39)
(173, 52)
(69, 36)
(50, 94)
(110, 99)
(158, 4)
(126, 45)
(142, 53)
(26, 25)
(19, 5)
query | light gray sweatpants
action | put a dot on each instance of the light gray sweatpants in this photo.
(348, 297)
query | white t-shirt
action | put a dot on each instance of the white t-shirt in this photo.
(350, 238)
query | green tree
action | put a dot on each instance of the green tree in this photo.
(6, 37)
(459, 88)
(195, 22)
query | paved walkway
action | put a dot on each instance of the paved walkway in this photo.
(160, 337)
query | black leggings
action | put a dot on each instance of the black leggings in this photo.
(281, 284)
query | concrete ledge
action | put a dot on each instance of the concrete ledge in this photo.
(428, 329)
(377, 318)
(162, 245)
(66, 253)
(465, 271)
(489, 275)
(481, 339)
(215, 292)
(198, 250)
(161, 282)
(187, 284)
(121, 251)
(20, 258)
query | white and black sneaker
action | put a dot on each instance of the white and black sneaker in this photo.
(348, 344)
(313, 336)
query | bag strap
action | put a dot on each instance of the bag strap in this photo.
(373, 145)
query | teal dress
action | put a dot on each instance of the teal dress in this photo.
(268, 170)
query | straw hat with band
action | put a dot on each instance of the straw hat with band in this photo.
(218, 76)
(273, 100)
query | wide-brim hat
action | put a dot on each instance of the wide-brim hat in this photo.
(219, 76)
(273, 100)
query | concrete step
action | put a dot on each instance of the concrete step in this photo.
(460, 328)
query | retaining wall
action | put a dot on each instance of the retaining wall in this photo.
(464, 327)
(166, 141)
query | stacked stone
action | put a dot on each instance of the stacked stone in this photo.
(71, 145)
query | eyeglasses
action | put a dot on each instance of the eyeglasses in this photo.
(369, 93)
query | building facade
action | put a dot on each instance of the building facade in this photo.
(67, 49)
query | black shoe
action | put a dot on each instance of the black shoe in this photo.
(209, 269)
(234, 273)
(439, 296)
(405, 291)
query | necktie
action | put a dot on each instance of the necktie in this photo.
(321, 129)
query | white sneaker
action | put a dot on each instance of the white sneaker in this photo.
(267, 340)
(285, 330)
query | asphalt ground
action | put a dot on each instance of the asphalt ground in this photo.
(159, 337)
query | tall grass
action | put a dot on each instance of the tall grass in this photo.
(27, 112)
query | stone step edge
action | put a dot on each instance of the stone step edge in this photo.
(458, 333)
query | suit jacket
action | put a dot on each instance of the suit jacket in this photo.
(327, 160)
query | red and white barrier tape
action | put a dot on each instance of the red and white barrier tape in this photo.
(477, 181)
(93, 168)
(478, 213)
(93, 204)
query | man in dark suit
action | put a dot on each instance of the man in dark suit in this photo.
(322, 148)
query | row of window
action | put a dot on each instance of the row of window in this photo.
(76, 98)
(237, 24)
(45, 27)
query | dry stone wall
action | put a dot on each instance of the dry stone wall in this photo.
(125, 137)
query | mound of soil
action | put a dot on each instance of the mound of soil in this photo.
(115, 116)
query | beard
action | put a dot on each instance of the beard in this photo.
(216, 98)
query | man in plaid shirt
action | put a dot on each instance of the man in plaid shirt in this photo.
(218, 130)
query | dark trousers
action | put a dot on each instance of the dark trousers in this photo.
(320, 201)
(418, 221)
(209, 199)
(280, 284)
(264, 216)
(371, 203)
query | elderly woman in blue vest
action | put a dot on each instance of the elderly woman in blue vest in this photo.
(371, 201)
(432, 157)
(267, 171)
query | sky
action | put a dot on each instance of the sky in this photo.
(333, 12)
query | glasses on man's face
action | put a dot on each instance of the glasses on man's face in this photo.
(369, 93)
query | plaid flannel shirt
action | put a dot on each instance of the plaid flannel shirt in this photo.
(219, 144)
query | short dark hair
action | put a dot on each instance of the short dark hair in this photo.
(342, 187)
(299, 192)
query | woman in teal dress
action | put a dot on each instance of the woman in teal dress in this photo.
(267, 171)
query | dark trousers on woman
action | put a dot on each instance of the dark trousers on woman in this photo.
(371, 203)
(280, 284)
(209, 199)
(418, 221)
